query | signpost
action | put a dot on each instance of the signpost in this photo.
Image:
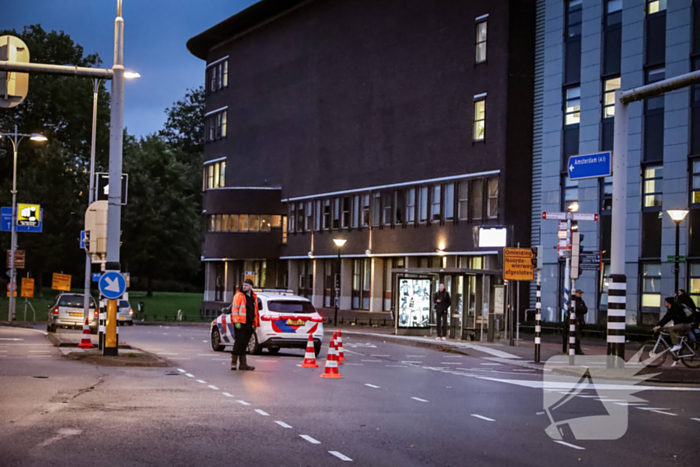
(19, 259)
(28, 215)
(27, 288)
(590, 166)
(6, 222)
(61, 282)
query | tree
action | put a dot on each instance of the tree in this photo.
(184, 128)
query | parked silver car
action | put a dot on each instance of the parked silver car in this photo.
(67, 311)
(125, 314)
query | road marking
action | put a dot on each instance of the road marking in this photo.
(570, 445)
(310, 439)
(395, 366)
(628, 404)
(664, 413)
(483, 418)
(373, 355)
(371, 386)
(415, 356)
(62, 433)
(282, 424)
(696, 419)
(10, 338)
(372, 361)
(352, 364)
(450, 363)
(492, 364)
(39, 356)
(243, 402)
(200, 381)
(227, 394)
(340, 456)
(408, 361)
(452, 356)
(652, 408)
(204, 341)
(165, 353)
(262, 412)
(181, 370)
(418, 399)
(38, 351)
(180, 358)
(214, 387)
(189, 374)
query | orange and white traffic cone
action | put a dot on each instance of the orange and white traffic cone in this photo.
(310, 357)
(86, 343)
(341, 355)
(337, 353)
(331, 363)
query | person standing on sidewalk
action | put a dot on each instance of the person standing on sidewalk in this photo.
(581, 310)
(442, 302)
(245, 316)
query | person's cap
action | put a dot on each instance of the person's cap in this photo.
(578, 291)
(248, 281)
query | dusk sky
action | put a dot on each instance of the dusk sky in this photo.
(156, 32)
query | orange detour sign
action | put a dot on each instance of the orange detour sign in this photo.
(61, 282)
(518, 264)
(27, 288)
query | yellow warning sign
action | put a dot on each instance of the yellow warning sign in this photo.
(27, 288)
(28, 215)
(61, 282)
(518, 264)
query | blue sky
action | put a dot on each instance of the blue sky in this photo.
(154, 44)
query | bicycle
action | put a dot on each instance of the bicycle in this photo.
(654, 352)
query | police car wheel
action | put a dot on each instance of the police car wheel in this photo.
(216, 341)
(253, 347)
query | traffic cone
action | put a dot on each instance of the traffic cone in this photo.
(337, 353)
(310, 357)
(331, 363)
(86, 343)
(341, 356)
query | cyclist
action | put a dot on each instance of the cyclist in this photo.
(682, 323)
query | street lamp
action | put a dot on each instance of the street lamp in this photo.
(16, 138)
(677, 215)
(339, 242)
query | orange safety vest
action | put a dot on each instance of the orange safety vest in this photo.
(238, 309)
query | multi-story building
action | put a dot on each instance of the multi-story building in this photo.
(586, 49)
(399, 126)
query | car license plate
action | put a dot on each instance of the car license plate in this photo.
(295, 322)
(122, 317)
(76, 314)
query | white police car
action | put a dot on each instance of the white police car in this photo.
(286, 320)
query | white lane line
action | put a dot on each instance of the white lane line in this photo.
(214, 387)
(664, 413)
(200, 381)
(415, 356)
(282, 424)
(181, 370)
(373, 355)
(696, 419)
(310, 439)
(262, 412)
(353, 364)
(372, 361)
(204, 341)
(652, 408)
(395, 366)
(39, 356)
(39, 351)
(409, 361)
(371, 386)
(452, 356)
(563, 443)
(418, 399)
(628, 404)
(450, 363)
(492, 364)
(227, 394)
(243, 402)
(340, 456)
(189, 375)
(483, 418)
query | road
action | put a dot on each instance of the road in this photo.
(396, 405)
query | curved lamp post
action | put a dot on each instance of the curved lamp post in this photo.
(339, 242)
(677, 215)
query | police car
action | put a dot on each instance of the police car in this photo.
(286, 320)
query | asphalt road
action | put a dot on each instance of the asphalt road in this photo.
(395, 406)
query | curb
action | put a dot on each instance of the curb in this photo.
(58, 342)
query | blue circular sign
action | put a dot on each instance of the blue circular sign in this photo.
(112, 284)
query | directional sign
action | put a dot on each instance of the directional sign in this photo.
(574, 216)
(82, 239)
(590, 166)
(549, 215)
(28, 215)
(102, 184)
(20, 259)
(589, 266)
(6, 222)
(112, 285)
(96, 276)
(582, 216)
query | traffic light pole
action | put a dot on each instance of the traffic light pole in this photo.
(91, 198)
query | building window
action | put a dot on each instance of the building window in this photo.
(570, 194)
(365, 210)
(481, 42)
(655, 6)
(243, 223)
(436, 204)
(492, 201)
(572, 42)
(574, 18)
(215, 175)
(388, 208)
(356, 211)
(376, 209)
(653, 195)
(284, 229)
(264, 223)
(398, 202)
(610, 86)
(479, 119)
(572, 114)
(695, 183)
(477, 199)
(336, 213)
(300, 217)
(233, 223)
(317, 218)
(217, 76)
(361, 282)
(449, 201)
(606, 195)
(326, 214)
(651, 288)
(695, 94)
(411, 205)
(463, 200)
(612, 37)
(423, 204)
(254, 223)
(309, 216)
(345, 218)
(216, 125)
(276, 221)
(292, 216)
(694, 280)
(613, 12)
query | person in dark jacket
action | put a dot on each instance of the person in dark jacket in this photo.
(441, 301)
(684, 300)
(682, 323)
(580, 310)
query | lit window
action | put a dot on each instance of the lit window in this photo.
(570, 194)
(254, 223)
(481, 42)
(264, 223)
(479, 120)
(573, 106)
(276, 221)
(653, 196)
(695, 283)
(695, 194)
(215, 175)
(284, 229)
(656, 6)
(463, 200)
(233, 223)
(243, 223)
(611, 85)
(651, 287)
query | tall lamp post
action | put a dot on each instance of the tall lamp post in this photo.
(677, 215)
(339, 242)
(16, 138)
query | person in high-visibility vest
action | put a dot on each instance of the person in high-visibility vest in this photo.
(244, 315)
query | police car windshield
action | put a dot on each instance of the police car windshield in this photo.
(290, 306)
(74, 301)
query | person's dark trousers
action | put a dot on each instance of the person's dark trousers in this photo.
(579, 330)
(241, 338)
(442, 323)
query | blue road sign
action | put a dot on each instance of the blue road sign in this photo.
(96, 276)
(6, 222)
(82, 239)
(590, 166)
(112, 285)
